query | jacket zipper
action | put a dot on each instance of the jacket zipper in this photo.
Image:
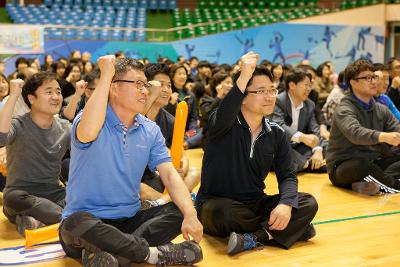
(253, 143)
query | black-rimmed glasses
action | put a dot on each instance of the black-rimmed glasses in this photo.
(368, 78)
(270, 93)
(140, 85)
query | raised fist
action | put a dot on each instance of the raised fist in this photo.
(16, 87)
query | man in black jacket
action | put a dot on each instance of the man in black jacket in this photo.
(364, 135)
(241, 149)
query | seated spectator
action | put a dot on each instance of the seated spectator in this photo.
(4, 89)
(203, 73)
(333, 100)
(277, 73)
(84, 90)
(71, 76)
(241, 149)
(36, 144)
(112, 143)
(324, 83)
(180, 93)
(383, 83)
(47, 64)
(294, 112)
(59, 69)
(359, 155)
(220, 85)
(394, 89)
(152, 187)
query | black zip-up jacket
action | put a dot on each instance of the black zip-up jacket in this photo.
(235, 168)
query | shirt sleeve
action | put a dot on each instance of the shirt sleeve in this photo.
(286, 175)
(158, 152)
(74, 139)
(8, 138)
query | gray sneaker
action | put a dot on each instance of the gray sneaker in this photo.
(185, 253)
(99, 258)
(366, 188)
(24, 222)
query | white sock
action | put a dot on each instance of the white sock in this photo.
(153, 255)
(160, 201)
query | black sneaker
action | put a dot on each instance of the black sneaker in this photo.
(309, 233)
(241, 242)
(99, 258)
(23, 222)
(185, 253)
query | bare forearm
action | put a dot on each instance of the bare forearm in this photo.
(95, 111)
(70, 109)
(177, 189)
(6, 114)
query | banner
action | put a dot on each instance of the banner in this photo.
(21, 39)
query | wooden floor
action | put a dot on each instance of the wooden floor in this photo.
(352, 230)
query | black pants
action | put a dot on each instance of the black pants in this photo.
(46, 208)
(128, 239)
(300, 154)
(153, 180)
(221, 216)
(386, 171)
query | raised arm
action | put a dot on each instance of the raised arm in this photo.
(70, 110)
(7, 111)
(222, 120)
(94, 113)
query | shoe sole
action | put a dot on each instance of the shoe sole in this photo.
(101, 259)
(232, 243)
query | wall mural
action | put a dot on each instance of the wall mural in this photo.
(282, 42)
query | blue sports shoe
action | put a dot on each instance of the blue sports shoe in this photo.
(241, 242)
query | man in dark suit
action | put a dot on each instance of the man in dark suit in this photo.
(294, 112)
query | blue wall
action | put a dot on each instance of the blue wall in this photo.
(278, 42)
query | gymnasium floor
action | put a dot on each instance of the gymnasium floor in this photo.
(352, 230)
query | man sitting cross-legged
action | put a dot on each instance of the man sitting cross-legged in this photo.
(159, 94)
(241, 148)
(112, 143)
(36, 143)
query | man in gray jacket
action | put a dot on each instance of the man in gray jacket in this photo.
(362, 146)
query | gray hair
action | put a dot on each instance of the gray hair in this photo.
(123, 65)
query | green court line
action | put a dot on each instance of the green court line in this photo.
(357, 217)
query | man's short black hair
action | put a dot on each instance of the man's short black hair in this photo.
(296, 75)
(21, 60)
(203, 64)
(259, 71)
(352, 70)
(33, 83)
(91, 77)
(152, 69)
(380, 67)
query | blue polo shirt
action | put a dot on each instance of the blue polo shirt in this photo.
(104, 177)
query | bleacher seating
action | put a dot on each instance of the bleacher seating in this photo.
(90, 13)
(234, 18)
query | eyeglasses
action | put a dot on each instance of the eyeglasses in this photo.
(271, 92)
(140, 85)
(368, 78)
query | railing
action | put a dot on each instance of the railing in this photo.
(165, 35)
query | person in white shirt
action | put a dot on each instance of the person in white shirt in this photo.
(294, 112)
